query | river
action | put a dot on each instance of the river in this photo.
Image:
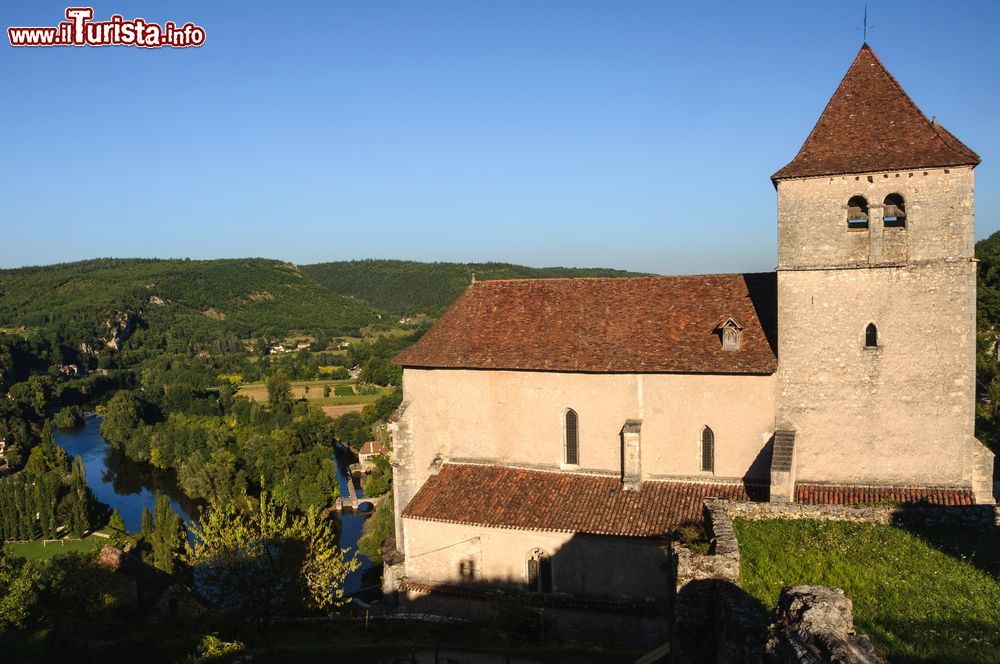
(128, 486)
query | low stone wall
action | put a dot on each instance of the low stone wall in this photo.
(723, 561)
(714, 619)
(717, 621)
(978, 515)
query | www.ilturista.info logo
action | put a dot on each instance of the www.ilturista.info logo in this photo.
(81, 30)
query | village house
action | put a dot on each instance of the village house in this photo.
(554, 433)
(369, 451)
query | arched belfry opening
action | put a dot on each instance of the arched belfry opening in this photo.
(894, 211)
(857, 213)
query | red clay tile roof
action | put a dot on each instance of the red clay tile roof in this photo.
(505, 497)
(374, 447)
(635, 325)
(824, 494)
(871, 124)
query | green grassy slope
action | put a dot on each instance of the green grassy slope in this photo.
(929, 594)
(409, 287)
(244, 297)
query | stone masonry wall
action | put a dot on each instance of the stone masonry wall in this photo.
(886, 514)
(812, 218)
(902, 412)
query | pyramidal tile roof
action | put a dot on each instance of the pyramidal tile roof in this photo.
(870, 125)
(630, 325)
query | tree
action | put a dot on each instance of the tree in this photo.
(116, 522)
(80, 499)
(168, 535)
(380, 479)
(351, 430)
(377, 529)
(279, 393)
(46, 458)
(147, 524)
(122, 417)
(18, 593)
(258, 561)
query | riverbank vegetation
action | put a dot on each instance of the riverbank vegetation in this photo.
(378, 529)
(252, 559)
(927, 594)
(49, 499)
(224, 446)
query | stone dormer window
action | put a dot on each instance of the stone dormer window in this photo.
(894, 211)
(857, 213)
(730, 331)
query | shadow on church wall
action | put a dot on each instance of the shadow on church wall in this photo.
(601, 589)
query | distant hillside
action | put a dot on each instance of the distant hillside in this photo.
(409, 287)
(198, 299)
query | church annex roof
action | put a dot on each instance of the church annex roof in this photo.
(506, 497)
(871, 124)
(630, 325)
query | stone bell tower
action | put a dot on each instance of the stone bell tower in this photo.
(877, 299)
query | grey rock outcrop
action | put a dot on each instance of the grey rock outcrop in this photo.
(815, 624)
(121, 326)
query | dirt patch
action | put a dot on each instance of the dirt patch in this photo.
(333, 412)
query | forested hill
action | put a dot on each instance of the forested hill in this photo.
(410, 287)
(988, 342)
(198, 301)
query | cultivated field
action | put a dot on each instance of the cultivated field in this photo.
(343, 395)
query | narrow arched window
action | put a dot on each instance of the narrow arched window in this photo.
(572, 438)
(857, 212)
(539, 572)
(871, 336)
(894, 211)
(708, 450)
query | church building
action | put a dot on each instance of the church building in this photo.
(555, 433)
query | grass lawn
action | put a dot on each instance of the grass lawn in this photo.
(344, 390)
(36, 548)
(929, 594)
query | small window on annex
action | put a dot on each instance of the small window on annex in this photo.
(572, 432)
(894, 211)
(857, 213)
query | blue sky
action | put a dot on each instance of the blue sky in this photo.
(637, 135)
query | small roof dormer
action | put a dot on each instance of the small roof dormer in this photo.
(729, 331)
